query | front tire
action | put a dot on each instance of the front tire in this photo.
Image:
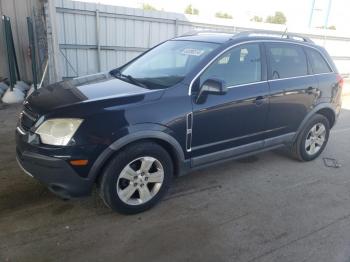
(136, 178)
(312, 139)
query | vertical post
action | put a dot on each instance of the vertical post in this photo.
(98, 39)
(311, 13)
(327, 13)
(5, 20)
(149, 35)
(32, 51)
(12, 44)
(11, 52)
(176, 23)
(326, 21)
(52, 43)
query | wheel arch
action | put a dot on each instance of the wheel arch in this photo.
(165, 140)
(329, 114)
(325, 109)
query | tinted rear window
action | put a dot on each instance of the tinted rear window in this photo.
(319, 65)
(286, 61)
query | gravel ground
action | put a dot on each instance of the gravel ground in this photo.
(267, 207)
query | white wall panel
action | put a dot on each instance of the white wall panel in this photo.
(125, 32)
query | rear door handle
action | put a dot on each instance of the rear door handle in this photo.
(259, 100)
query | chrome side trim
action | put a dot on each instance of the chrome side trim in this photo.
(29, 116)
(248, 84)
(254, 41)
(189, 126)
(329, 73)
(286, 78)
(22, 132)
(25, 171)
(293, 77)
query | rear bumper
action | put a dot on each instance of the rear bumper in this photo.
(54, 173)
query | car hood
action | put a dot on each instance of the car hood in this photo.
(97, 87)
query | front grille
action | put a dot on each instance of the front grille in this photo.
(27, 119)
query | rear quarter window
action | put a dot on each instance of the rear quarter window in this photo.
(318, 63)
(286, 60)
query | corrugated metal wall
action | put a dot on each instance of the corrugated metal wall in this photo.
(95, 37)
(123, 33)
(17, 10)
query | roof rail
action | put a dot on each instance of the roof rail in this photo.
(274, 34)
(209, 31)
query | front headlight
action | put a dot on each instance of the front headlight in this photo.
(58, 131)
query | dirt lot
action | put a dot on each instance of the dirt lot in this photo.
(264, 208)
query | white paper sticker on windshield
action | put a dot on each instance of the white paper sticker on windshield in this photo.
(191, 51)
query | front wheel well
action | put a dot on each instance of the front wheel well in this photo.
(329, 114)
(176, 159)
(171, 150)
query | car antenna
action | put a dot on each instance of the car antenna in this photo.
(285, 31)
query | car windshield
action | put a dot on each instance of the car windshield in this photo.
(165, 65)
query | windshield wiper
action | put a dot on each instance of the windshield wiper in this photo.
(135, 81)
(116, 73)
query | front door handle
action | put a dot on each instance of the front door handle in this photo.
(310, 90)
(259, 100)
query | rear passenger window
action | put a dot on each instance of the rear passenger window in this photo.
(286, 61)
(319, 65)
(240, 65)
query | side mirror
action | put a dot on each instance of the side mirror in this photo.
(212, 86)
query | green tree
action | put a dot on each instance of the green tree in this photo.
(191, 11)
(223, 15)
(148, 7)
(256, 19)
(278, 18)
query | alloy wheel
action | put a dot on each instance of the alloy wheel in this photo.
(315, 139)
(140, 180)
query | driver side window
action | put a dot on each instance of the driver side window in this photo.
(240, 65)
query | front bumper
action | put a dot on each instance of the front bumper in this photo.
(54, 173)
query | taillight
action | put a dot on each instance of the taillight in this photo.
(340, 81)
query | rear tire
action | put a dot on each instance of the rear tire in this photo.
(136, 178)
(312, 139)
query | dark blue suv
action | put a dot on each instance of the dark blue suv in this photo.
(187, 103)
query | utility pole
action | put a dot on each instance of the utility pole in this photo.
(312, 12)
(327, 14)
